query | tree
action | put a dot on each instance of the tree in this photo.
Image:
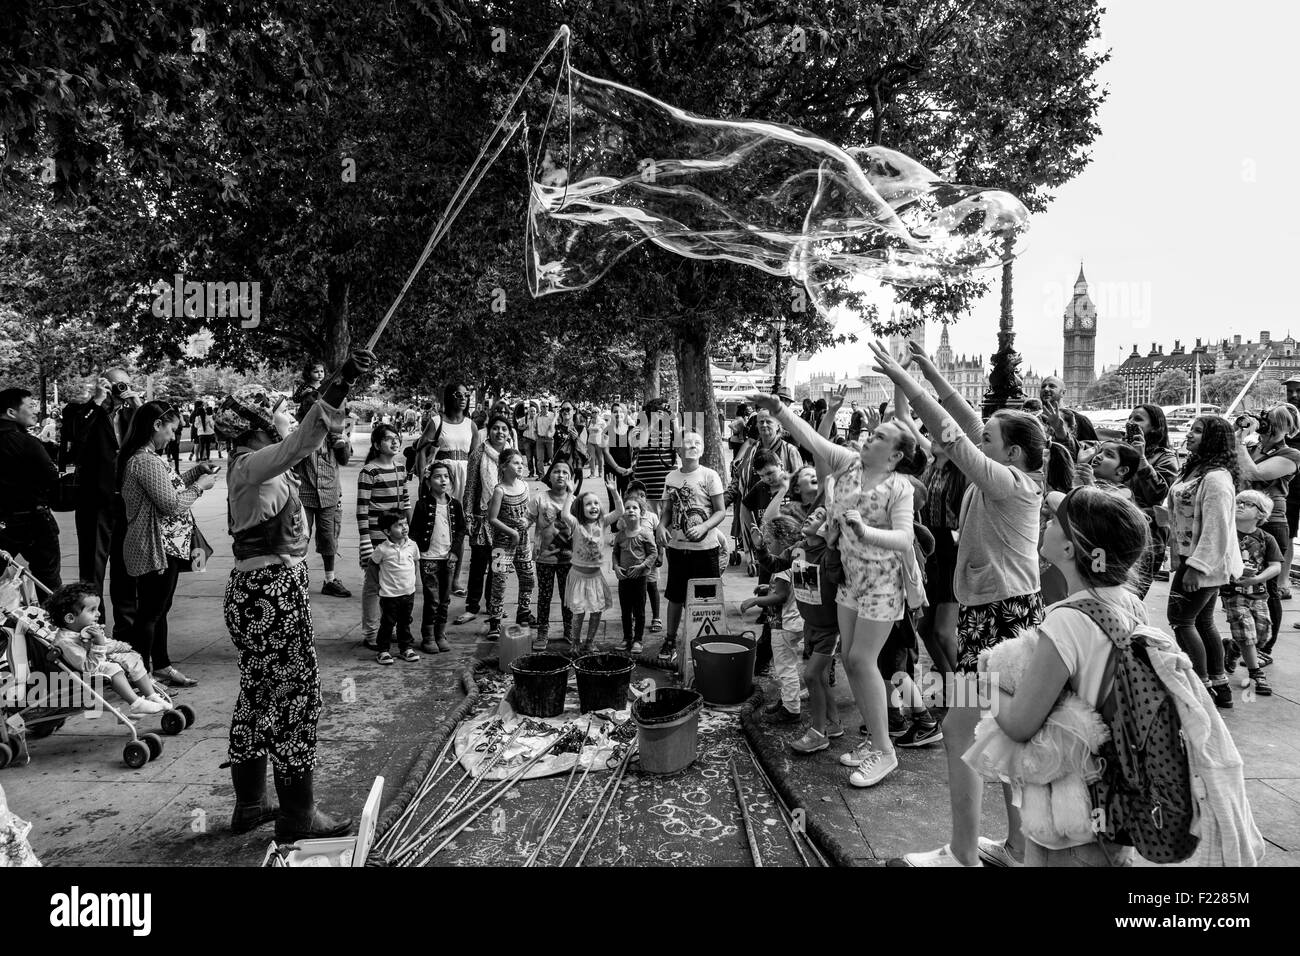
(1222, 387)
(1171, 387)
(1266, 392)
(1108, 391)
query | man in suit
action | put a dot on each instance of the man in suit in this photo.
(102, 424)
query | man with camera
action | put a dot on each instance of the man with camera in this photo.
(27, 477)
(101, 522)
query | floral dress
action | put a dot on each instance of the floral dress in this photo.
(873, 576)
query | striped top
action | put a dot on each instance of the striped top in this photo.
(380, 488)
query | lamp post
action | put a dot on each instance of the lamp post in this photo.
(778, 330)
(1006, 387)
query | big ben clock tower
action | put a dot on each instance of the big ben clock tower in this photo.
(1080, 367)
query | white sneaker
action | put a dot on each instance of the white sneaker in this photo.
(875, 768)
(940, 857)
(994, 853)
(856, 756)
(143, 705)
(167, 704)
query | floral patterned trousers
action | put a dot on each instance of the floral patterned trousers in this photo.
(268, 614)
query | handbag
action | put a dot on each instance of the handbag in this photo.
(200, 552)
(63, 496)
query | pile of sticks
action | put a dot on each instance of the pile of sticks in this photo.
(407, 841)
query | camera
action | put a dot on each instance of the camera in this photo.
(1244, 420)
(120, 388)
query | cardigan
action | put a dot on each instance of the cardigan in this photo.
(997, 550)
(150, 496)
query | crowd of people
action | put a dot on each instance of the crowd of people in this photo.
(919, 527)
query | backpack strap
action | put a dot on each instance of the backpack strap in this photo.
(1111, 622)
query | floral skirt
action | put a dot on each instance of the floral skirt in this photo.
(982, 626)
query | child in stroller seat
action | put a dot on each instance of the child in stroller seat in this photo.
(73, 609)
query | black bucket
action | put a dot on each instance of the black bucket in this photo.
(540, 684)
(603, 680)
(724, 667)
(667, 729)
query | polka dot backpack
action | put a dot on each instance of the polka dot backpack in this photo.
(1144, 798)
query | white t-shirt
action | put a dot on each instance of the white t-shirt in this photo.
(397, 575)
(545, 425)
(791, 620)
(1083, 646)
(691, 494)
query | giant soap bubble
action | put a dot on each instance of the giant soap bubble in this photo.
(616, 168)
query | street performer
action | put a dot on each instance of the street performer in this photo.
(267, 607)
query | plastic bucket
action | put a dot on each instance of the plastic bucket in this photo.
(540, 684)
(667, 729)
(603, 680)
(724, 667)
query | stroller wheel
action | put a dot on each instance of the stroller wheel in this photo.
(186, 711)
(154, 743)
(135, 755)
(173, 722)
(6, 755)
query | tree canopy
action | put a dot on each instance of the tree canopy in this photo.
(311, 148)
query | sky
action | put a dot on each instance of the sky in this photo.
(1187, 220)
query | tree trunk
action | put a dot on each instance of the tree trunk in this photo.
(337, 335)
(695, 383)
(650, 375)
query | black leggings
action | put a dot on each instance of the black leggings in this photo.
(1192, 618)
(631, 599)
(1280, 533)
(154, 594)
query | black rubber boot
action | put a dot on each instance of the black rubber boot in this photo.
(299, 818)
(252, 809)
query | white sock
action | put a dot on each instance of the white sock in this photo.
(329, 576)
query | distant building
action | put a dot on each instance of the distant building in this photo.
(1283, 356)
(1080, 365)
(1141, 372)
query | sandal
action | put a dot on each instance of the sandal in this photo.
(409, 656)
(656, 626)
(384, 658)
(173, 677)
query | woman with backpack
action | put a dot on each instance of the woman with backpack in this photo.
(1097, 542)
(1203, 546)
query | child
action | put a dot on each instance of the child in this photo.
(395, 560)
(1110, 467)
(437, 527)
(508, 516)
(693, 507)
(779, 534)
(554, 551)
(636, 489)
(381, 487)
(815, 575)
(74, 609)
(1073, 650)
(1245, 598)
(587, 591)
(635, 554)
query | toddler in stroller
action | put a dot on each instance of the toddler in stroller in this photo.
(74, 610)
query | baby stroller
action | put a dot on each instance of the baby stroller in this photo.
(39, 692)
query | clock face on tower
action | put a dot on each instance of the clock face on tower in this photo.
(1088, 321)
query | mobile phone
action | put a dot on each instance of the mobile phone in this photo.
(1132, 430)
